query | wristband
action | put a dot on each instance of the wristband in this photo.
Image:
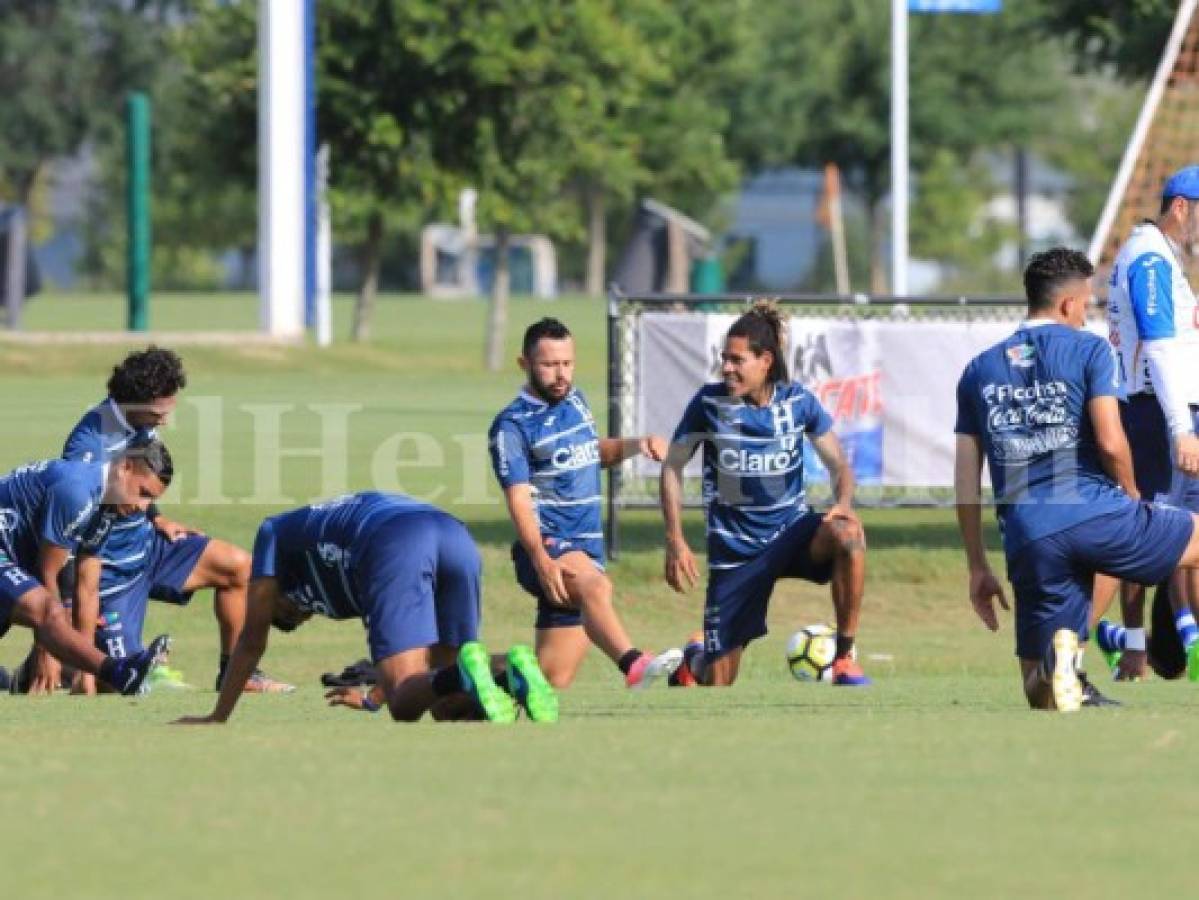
(368, 704)
(1134, 638)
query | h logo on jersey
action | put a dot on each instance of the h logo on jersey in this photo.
(784, 418)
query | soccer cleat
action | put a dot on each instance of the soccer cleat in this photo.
(648, 670)
(474, 666)
(684, 675)
(528, 685)
(1091, 695)
(356, 674)
(137, 668)
(1059, 670)
(5, 680)
(1193, 661)
(847, 673)
(166, 678)
(261, 683)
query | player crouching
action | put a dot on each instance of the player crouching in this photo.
(412, 574)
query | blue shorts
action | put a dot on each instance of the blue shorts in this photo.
(420, 582)
(15, 582)
(735, 609)
(167, 566)
(1052, 577)
(1153, 453)
(549, 615)
(416, 577)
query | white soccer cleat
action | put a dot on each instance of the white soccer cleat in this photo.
(1063, 676)
(649, 670)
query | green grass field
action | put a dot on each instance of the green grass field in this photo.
(935, 782)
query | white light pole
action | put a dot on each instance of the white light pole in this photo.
(281, 209)
(899, 148)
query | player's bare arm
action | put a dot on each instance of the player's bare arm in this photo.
(984, 587)
(47, 671)
(519, 498)
(681, 571)
(828, 448)
(86, 611)
(614, 451)
(1114, 452)
(251, 645)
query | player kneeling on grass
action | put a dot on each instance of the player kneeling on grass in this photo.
(547, 456)
(412, 574)
(46, 509)
(1041, 407)
(760, 529)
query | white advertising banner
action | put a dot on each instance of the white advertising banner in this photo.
(890, 385)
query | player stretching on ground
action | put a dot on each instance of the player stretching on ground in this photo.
(1041, 407)
(547, 456)
(1154, 327)
(46, 508)
(165, 561)
(760, 529)
(411, 574)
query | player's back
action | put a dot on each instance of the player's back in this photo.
(101, 434)
(1026, 398)
(51, 500)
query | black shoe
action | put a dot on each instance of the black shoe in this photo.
(1091, 695)
(138, 667)
(357, 674)
(5, 680)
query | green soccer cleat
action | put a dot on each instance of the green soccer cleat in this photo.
(474, 665)
(1193, 661)
(1112, 658)
(528, 685)
(165, 678)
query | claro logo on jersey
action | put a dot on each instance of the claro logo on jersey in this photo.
(781, 458)
(576, 456)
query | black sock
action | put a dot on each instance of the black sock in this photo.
(222, 665)
(626, 661)
(447, 681)
(844, 645)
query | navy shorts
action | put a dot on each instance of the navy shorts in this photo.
(735, 609)
(420, 583)
(1153, 453)
(1052, 577)
(167, 566)
(549, 615)
(15, 582)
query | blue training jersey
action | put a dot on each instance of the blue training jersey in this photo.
(753, 474)
(101, 436)
(1026, 399)
(317, 548)
(555, 449)
(52, 501)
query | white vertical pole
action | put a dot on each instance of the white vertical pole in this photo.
(281, 167)
(899, 148)
(324, 251)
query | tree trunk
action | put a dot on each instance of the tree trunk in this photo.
(878, 261)
(497, 316)
(15, 250)
(597, 240)
(364, 306)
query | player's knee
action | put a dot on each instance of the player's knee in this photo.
(37, 610)
(596, 591)
(560, 679)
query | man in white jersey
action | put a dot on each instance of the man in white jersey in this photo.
(1154, 328)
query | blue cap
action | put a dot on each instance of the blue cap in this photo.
(1183, 183)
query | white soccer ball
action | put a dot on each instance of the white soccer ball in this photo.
(810, 653)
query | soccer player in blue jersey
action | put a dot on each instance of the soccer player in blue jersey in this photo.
(148, 555)
(547, 456)
(752, 427)
(411, 574)
(1154, 327)
(1041, 408)
(46, 510)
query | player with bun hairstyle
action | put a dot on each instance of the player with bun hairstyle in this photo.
(752, 427)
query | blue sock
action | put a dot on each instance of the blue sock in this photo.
(1113, 638)
(1188, 631)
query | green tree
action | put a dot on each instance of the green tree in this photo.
(1126, 34)
(822, 91)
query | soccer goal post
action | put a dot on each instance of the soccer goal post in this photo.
(885, 368)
